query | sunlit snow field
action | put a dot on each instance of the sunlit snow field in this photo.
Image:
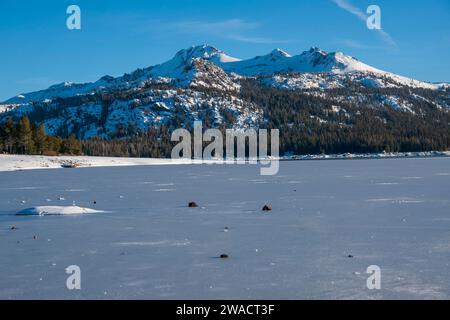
(147, 244)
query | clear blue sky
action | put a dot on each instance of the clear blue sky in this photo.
(37, 50)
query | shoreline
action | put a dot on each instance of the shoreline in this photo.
(10, 162)
(359, 156)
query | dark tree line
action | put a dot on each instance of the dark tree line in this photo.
(155, 143)
(307, 125)
(24, 137)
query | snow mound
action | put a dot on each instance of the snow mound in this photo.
(55, 210)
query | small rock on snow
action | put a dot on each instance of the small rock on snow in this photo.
(193, 205)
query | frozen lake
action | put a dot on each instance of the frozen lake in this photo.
(393, 213)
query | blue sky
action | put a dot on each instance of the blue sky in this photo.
(37, 50)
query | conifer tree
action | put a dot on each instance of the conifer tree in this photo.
(70, 145)
(39, 138)
(24, 135)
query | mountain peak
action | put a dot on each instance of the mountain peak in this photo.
(200, 51)
(280, 53)
(183, 59)
(204, 51)
(317, 50)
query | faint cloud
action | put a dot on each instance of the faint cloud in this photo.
(349, 7)
(234, 29)
(214, 26)
(353, 44)
(257, 40)
(387, 38)
(349, 43)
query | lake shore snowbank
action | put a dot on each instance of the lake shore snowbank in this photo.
(30, 162)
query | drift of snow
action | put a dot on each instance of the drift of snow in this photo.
(27, 162)
(24, 162)
(55, 210)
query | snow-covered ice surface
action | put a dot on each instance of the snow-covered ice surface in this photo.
(394, 213)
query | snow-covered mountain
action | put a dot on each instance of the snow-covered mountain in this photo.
(185, 67)
(204, 83)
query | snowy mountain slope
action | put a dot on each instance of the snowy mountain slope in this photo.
(332, 80)
(197, 72)
(70, 89)
(138, 111)
(275, 61)
(61, 90)
(317, 60)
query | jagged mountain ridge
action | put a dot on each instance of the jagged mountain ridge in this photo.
(204, 83)
(181, 71)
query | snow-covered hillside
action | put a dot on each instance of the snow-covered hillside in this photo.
(142, 108)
